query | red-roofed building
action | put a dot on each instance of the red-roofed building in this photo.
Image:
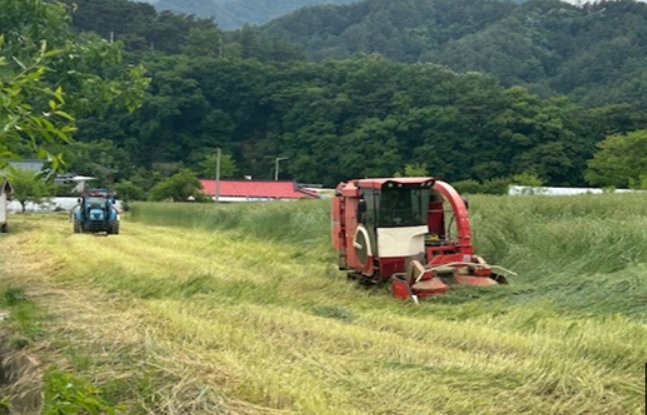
(255, 190)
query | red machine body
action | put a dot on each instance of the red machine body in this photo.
(397, 229)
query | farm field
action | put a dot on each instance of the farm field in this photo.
(197, 309)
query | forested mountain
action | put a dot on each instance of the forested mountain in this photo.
(595, 53)
(256, 96)
(232, 14)
(363, 116)
(142, 29)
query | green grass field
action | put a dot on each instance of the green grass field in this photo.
(241, 309)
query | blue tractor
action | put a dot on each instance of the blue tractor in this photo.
(96, 212)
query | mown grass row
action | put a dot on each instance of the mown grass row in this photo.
(584, 253)
(244, 304)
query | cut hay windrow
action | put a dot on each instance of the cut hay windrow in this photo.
(240, 309)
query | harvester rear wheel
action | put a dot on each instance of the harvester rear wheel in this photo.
(77, 226)
(4, 228)
(500, 278)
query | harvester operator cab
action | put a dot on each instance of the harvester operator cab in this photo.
(398, 205)
(395, 205)
(402, 206)
(391, 222)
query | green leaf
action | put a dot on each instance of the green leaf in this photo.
(11, 124)
(64, 115)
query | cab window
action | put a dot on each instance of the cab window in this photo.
(403, 206)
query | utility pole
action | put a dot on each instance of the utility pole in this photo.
(218, 176)
(276, 167)
(220, 52)
(112, 36)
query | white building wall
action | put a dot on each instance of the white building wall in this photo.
(3, 208)
(65, 203)
(560, 191)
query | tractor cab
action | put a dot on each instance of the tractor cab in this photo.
(96, 212)
(96, 204)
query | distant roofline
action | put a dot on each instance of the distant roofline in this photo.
(252, 180)
(295, 187)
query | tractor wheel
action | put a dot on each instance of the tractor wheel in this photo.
(77, 226)
(115, 228)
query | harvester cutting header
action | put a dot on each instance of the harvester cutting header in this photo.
(398, 229)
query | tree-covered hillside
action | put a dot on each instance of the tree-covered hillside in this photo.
(341, 119)
(256, 97)
(232, 14)
(595, 53)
